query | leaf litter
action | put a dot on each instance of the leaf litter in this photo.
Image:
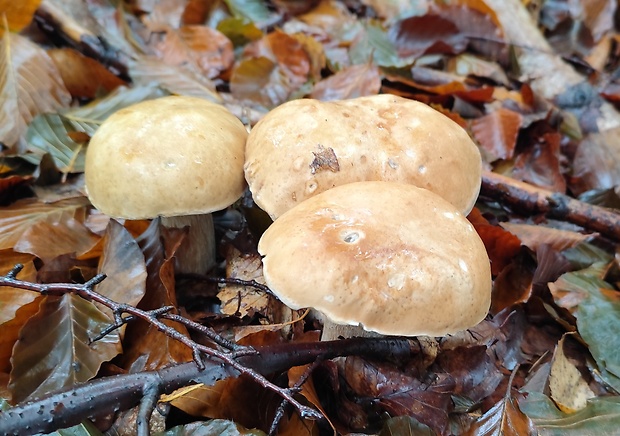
(545, 360)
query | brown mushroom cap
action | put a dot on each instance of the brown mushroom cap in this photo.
(305, 147)
(169, 156)
(397, 259)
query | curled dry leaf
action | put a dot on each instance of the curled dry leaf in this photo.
(30, 85)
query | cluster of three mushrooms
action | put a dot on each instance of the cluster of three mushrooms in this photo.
(369, 198)
(391, 257)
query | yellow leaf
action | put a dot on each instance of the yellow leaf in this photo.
(18, 13)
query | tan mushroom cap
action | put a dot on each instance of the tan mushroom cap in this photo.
(397, 259)
(166, 157)
(305, 147)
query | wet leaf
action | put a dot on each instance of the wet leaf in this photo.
(174, 79)
(158, 246)
(124, 266)
(18, 14)
(49, 239)
(54, 350)
(497, 132)
(540, 163)
(214, 427)
(207, 50)
(600, 416)
(398, 393)
(430, 33)
(534, 235)
(504, 418)
(271, 70)
(254, 10)
(405, 425)
(11, 329)
(350, 82)
(30, 85)
(11, 299)
(567, 387)
(83, 76)
(597, 161)
(598, 315)
(16, 219)
(239, 30)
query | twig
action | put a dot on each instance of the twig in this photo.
(93, 399)
(86, 291)
(526, 198)
(227, 281)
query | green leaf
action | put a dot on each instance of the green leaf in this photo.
(374, 42)
(600, 416)
(239, 30)
(87, 428)
(405, 425)
(215, 427)
(54, 349)
(253, 10)
(49, 133)
(598, 315)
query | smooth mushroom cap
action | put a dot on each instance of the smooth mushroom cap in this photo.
(305, 147)
(397, 259)
(166, 157)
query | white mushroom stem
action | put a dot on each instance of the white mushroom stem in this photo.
(196, 255)
(333, 331)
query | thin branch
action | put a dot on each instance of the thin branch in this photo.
(106, 395)
(525, 198)
(87, 292)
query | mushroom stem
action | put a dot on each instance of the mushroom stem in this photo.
(196, 255)
(333, 331)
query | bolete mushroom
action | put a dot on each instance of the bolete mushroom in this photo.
(305, 147)
(180, 158)
(390, 257)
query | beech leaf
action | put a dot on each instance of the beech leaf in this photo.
(123, 264)
(497, 132)
(254, 10)
(17, 218)
(214, 427)
(350, 82)
(18, 14)
(30, 85)
(598, 315)
(54, 349)
(600, 416)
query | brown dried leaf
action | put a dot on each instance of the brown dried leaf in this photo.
(11, 329)
(11, 299)
(18, 14)
(49, 239)
(350, 82)
(534, 235)
(243, 300)
(272, 69)
(539, 164)
(84, 77)
(567, 387)
(400, 394)
(596, 161)
(514, 284)
(426, 34)
(204, 48)
(497, 132)
(30, 85)
(54, 349)
(146, 348)
(502, 246)
(505, 418)
(17, 218)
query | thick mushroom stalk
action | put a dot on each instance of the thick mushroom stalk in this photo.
(180, 158)
(394, 258)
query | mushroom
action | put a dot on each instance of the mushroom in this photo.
(305, 147)
(389, 257)
(177, 157)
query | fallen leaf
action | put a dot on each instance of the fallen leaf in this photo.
(17, 14)
(84, 77)
(534, 235)
(30, 85)
(54, 350)
(350, 82)
(497, 132)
